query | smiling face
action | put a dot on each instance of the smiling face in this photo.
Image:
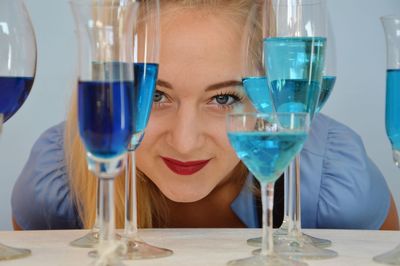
(185, 150)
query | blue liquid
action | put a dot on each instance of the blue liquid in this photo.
(294, 67)
(257, 90)
(267, 154)
(106, 116)
(145, 84)
(295, 95)
(13, 93)
(393, 107)
(328, 82)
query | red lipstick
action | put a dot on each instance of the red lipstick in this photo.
(184, 168)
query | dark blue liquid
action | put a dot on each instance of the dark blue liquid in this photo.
(106, 116)
(295, 95)
(393, 107)
(145, 83)
(257, 90)
(267, 154)
(328, 82)
(13, 93)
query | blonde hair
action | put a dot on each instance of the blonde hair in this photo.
(151, 202)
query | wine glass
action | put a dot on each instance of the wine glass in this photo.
(266, 143)
(147, 44)
(17, 72)
(106, 102)
(257, 90)
(391, 25)
(294, 50)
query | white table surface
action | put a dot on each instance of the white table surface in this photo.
(196, 246)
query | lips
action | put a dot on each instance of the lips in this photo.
(184, 168)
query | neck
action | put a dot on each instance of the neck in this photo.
(213, 211)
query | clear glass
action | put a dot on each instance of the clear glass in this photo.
(17, 72)
(147, 45)
(266, 143)
(391, 25)
(294, 53)
(106, 104)
(257, 90)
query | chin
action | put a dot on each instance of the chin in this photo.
(185, 195)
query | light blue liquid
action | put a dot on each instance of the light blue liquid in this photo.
(267, 154)
(145, 84)
(294, 68)
(295, 95)
(328, 82)
(258, 93)
(393, 107)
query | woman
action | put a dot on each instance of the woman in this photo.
(188, 174)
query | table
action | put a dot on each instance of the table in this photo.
(196, 246)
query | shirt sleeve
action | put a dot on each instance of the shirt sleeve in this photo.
(353, 192)
(41, 195)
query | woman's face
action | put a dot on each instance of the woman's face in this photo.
(185, 150)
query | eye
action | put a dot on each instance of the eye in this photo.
(158, 96)
(226, 99)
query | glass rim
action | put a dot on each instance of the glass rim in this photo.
(391, 17)
(258, 114)
(107, 4)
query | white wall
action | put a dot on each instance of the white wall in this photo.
(357, 100)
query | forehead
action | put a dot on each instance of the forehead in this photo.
(199, 40)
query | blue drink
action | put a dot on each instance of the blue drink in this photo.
(267, 154)
(393, 107)
(106, 116)
(296, 95)
(13, 93)
(145, 83)
(294, 67)
(328, 82)
(257, 90)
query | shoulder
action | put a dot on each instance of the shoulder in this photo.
(348, 189)
(40, 198)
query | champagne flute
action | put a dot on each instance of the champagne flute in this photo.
(17, 72)
(294, 50)
(266, 143)
(391, 25)
(106, 110)
(147, 44)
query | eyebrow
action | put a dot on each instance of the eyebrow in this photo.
(216, 86)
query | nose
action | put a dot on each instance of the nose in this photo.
(187, 131)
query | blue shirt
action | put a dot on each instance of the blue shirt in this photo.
(340, 186)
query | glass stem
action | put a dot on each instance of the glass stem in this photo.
(96, 226)
(131, 227)
(107, 210)
(295, 227)
(267, 201)
(286, 197)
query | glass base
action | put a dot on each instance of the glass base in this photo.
(396, 157)
(299, 249)
(391, 257)
(315, 241)
(141, 250)
(137, 250)
(266, 260)
(10, 253)
(90, 240)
